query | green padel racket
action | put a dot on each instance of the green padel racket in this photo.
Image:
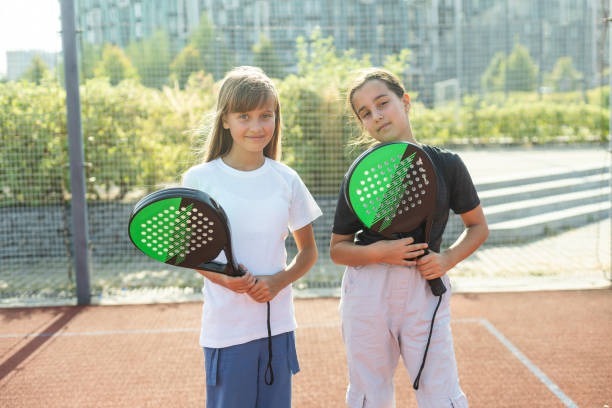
(183, 227)
(392, 189)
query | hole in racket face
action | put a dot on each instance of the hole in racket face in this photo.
(415, 187)
(171, 232)
(386, 184)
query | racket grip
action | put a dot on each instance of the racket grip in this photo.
(437, 286)
(225, 269)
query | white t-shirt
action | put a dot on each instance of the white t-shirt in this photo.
(262, 206)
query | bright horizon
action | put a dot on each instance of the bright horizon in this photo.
(29, 25)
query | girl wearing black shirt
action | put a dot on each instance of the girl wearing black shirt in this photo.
(386, 304)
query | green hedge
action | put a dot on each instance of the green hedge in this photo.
(139, 138)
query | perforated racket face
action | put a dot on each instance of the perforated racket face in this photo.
(178, 231)
(392, 187)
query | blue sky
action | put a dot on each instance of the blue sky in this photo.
(28, 25)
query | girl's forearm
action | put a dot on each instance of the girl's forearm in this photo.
(469, 241)
(303, 261)
(349, 254)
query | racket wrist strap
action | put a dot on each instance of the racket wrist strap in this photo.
(269, 376)
(415, 385)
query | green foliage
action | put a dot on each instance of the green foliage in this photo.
(494, 76)
(314, 116)
(265, 57)
(398, 63)
(314, 132)
(187, 62)
(564, 77)
(318, 59)
(521, 70)
(210, 47)
(115, 66)
(139, 137)
(37, 71)
(152, 58)
(134, 137)
(522, 119)
(111, 121)
(516, 72)
(91, 54)
(203, 38)
(33, 157)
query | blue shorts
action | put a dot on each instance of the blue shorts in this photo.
(235, 375)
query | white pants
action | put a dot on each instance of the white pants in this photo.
(386, 313)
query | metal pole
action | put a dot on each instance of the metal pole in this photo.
(458, 58)
(610, 107)
(609, 79)
(507, 37)
(80, 240)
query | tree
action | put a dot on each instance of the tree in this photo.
(516, 72)
(37, 71)
(211, 48)
(522, 72)
(115, 65)
(187, 62)
(265, 57)
(152, 58)
(314, 129)
(494, 76)
(564, 77)
(399, 64)
(318, 58)
(91, 54)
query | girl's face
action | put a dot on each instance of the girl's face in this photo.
(251, 131)
(382, 113)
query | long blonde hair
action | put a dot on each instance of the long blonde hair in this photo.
(243, 89)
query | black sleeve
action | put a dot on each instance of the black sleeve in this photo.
(463, 194)
(345, 221)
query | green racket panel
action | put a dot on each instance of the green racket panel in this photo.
(174, 230)
(385, 182)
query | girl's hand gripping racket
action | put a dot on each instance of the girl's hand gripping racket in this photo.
(392, 188)
(183, 227)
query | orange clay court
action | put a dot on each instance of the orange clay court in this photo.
(529, 349)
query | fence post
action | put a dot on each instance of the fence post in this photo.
(610, 105)
(80, 239)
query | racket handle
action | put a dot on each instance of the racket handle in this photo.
(437, 286)
(221, 268)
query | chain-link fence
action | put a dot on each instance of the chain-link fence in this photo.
(481, 74)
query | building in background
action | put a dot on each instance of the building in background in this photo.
(451, 41)
(18, 62)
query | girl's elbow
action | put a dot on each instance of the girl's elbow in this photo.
(314, 255)
(311, 254)
(336, 256)
(484, 233)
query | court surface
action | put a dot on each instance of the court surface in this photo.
(528, 349)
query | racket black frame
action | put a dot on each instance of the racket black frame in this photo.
(200, 199)
(407, 224)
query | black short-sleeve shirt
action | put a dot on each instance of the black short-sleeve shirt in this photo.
(456, 192)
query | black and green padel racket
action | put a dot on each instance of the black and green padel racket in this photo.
(183, 227)
(392, 189)
(187, 228)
